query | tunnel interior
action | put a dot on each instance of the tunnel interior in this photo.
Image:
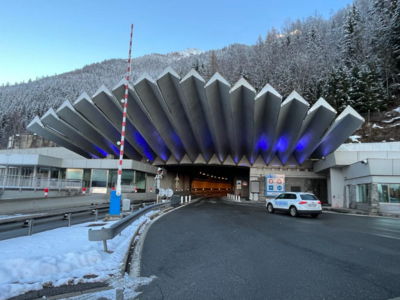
(206, 179)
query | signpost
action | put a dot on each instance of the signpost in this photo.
(275, 184)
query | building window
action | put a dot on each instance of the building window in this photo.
(141, 182)
(75, 174)
(99, 178)
(362, 193)
(86, 177)
(389, 193)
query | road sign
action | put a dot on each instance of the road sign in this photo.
(169, 193)
(162, 193)
(238, 184)
(275, 184)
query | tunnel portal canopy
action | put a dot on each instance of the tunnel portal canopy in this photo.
(173, 120)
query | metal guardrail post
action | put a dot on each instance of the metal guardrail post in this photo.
(30, 231)
(105, 245)
(69, 219)
(96, 214)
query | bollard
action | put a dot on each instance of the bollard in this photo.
(119, 294)
(239, 198)
(185, 198)
(96, 214)
(69, 219)
(30, 232)
(190, 198)
(236, 198)
(181, 199)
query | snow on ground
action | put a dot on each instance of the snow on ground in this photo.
(391, 120)
(354, 138)
(377, 126)
(61, 256)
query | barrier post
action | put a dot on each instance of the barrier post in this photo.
(190, 198)
(30, 232)
(185, 199)
(46, 191)
(69, 219)
(83, 191)
(181, 199)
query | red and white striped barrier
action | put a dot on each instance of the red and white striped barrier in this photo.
(84, 191)
(121, 149)
(135, 189)
(46, 191)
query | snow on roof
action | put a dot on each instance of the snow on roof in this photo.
(145, 76)
(169, 70)
(349, 110)
(85, 96)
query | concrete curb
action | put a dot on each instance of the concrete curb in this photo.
(360, 213)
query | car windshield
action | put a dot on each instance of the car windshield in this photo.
(308, 197)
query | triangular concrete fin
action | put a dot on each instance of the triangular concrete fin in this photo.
(186, 160)
(122, 82)
(214, 160)
(145, 76)
(83, 96)
(295, 96)
(259, 162)
(158, 161)
(229, 161)
(322, 102)
(50, 112)
(67, 104)
(292, 162)
(102, 89)
(193, 73)
(268, 89)
(244, 162)
(349, 111)
(169, 70)
(217, 77)
(242, 82)
(172, 161)
(200, 160)
(275, 162)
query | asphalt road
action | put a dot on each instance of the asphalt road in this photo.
(212, 250)
(16, 229)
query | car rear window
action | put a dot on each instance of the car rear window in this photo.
(308, 197)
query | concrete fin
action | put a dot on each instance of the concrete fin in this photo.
(102, 89)
(158, 161)
(259, 162)
(193, 73)
(214, 160)
(217, 77)
(83, 96)
(242, 82)
(186, 160)
(322, 102)
(145, 76)
(291, 162)
(67, 104)
(169, 70)
(50, 112)
(349, 111)
(37, 120)
(294, 96)
(229, 161)
(244, 162)
(122, 82)
(172, 161)
(200, 160)
(275, 162)
(268, 89)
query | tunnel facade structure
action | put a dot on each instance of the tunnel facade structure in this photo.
(173, 120)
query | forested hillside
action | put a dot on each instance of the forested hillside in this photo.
(351, 58)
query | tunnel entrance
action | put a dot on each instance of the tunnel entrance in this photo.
(214, 180)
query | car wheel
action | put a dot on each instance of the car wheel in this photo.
(293, 211)
(270, 208)
(314, 216)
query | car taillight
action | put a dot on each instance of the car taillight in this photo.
(319, 202)
(303, 202)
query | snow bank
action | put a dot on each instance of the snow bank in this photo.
(58, 257)
(354, 138)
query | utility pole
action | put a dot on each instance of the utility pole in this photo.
(125, 101)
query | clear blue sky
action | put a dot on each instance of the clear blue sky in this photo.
(44, 37)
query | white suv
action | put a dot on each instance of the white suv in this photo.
(296, 204)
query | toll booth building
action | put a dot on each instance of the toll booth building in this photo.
(210, 138)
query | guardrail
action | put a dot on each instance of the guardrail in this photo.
(112, 231)
(24, 182)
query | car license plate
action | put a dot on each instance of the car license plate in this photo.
(312, 205)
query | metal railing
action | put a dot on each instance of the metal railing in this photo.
(112, 231)
(15, 181)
